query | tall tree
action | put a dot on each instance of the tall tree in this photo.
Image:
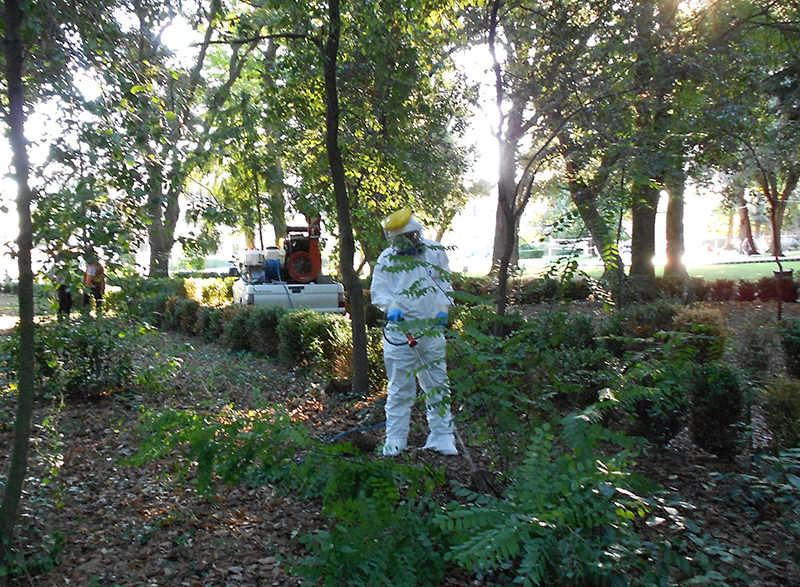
(757, 110)
(14, 56)
(329, 53)
(554, 86)
(144, 119)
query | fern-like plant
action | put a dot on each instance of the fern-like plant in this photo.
(567, 515)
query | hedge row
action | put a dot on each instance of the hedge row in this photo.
(321, 343)
(696, 289)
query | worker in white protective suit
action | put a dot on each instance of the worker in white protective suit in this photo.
(410, 283)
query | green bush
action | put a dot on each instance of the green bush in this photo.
(672, 286)
(181, 314)
(629, 328)
(142, 298)
(546, 364)
(210, 291)
(746, 291)
(789, 334)
(312, 339)
(774, 288)
(545, 289)
(566, 517)
(782, 413)
(717, 404)
(566, 365)
(81, 360)
(697, 290)
(235, 333)
(262, 327)
(653, 397)
(210, 322)
(722, 290)
(699, 334)
(479, 286)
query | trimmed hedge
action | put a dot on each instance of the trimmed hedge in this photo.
(304, 338)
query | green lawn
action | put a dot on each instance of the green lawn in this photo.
(751, 271)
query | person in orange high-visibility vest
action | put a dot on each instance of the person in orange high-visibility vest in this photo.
(94, 278)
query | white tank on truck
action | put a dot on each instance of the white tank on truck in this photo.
(291, 276)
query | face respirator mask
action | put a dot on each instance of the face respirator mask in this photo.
(407, 243)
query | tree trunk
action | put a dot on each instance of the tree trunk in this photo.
(643, 235)
(675, 185)
(347, 248)
(729, 235)
(505, 232)
(505, 223)
(157, 231)
(748, 245)
(277, 203)
(9, 508)
(166, 185)
(584, 196)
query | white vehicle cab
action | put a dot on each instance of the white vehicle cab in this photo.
(289, 277)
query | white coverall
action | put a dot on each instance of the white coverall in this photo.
(426, 271)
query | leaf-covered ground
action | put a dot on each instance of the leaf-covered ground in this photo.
(116, 524)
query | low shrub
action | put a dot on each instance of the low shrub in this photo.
(698, 290)
(789, 335)
(262, 326)
(654, 399)
(578, 289)
(476, 286)
(672, 286)
(717, 404)
(565, 362)
(312, 339)
(81, 360)
(235, 332)
(746, 291)
(699, 334)
(181, 314)
(375, 535)
(627, 327)
(722, 290)
(142, 298)
(566, 518)
(774, 288)
(215, 291)
(208, 325)
(781, 405)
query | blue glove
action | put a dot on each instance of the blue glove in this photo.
(442, 318)
(395, 315)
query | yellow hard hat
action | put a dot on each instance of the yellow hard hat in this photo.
(397, 220)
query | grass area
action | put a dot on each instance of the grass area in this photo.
(737, 271)
(749, 271)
